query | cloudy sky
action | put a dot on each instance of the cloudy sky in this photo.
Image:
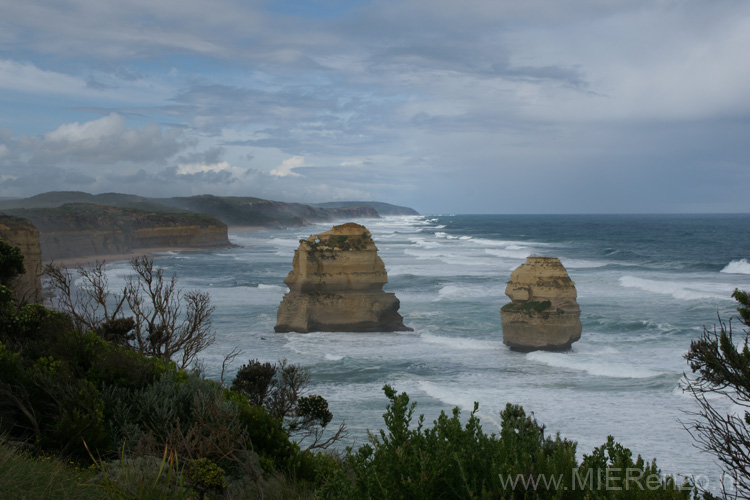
(471, 106)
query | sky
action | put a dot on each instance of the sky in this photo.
(471, 106)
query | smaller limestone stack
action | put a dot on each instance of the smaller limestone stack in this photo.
(336, 284)
(543, 312)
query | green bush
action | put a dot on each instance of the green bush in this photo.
(266, 433)
(457, 460)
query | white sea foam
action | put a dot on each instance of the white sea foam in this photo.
(272, 288)
(446, 394)
(678, 290)
(463, 292)
(583, 264)
(741, 266)
(511, 243)
(440, 234)
(574, 361)
(334, 357)
(461, 343)
(509, 253)
(423, 243)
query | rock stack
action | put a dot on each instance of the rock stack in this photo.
(336, 284)
(543, 312)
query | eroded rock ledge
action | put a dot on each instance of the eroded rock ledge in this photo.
(336, 284)
(543, 312)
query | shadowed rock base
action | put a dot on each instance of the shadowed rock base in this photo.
(336, 285)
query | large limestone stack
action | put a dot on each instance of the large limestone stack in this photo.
(543, 312)
(336, 284)
(21, 233)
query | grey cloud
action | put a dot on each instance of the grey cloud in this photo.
(95, 84)
(106, 140)
(77, 178)
(309, 119)
(211, 155)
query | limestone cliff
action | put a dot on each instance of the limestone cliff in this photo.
(543, 312)
(336, 284)
(21, 233)
(90, 230)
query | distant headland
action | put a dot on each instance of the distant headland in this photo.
(77, 225)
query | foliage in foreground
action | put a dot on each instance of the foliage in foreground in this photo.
(456, 460)
(25, 477)
(720, 363)
(84, 390)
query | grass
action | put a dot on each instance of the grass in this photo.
(25, 477)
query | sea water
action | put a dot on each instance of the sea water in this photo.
(647, 284)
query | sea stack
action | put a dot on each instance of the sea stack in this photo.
(543, 313)
(336, 284)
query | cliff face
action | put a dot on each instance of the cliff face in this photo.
(21, 233)
(336, 284)
(543, 312)
(88, 230)
(354, 212)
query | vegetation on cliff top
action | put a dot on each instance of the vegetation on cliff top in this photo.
(232, 210)
(88, 216)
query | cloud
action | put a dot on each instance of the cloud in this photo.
(26, 77)
(287, 167)
(105, 140)
(455, 103)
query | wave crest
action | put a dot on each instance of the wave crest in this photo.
(741, 266)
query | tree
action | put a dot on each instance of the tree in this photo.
(280, 389)
(11, 263)
(720, 363)
(150, 315)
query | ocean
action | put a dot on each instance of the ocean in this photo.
(647, 284)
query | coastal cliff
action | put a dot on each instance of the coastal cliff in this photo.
(336, 284)
(543, 312)
(231, 210)
(90, 230)
(20, 232)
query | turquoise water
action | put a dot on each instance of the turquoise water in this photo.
(646, 286)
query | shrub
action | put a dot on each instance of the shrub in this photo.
(457, 460)
(279, 388)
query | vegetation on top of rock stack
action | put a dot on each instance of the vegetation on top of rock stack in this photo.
(341, 242)
(14, 221)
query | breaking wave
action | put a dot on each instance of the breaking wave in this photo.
(741, 266)
(680, 291)
(597, 368)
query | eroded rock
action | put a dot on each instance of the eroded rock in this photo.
(21, 233)
(543, 312)
(336, 284)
